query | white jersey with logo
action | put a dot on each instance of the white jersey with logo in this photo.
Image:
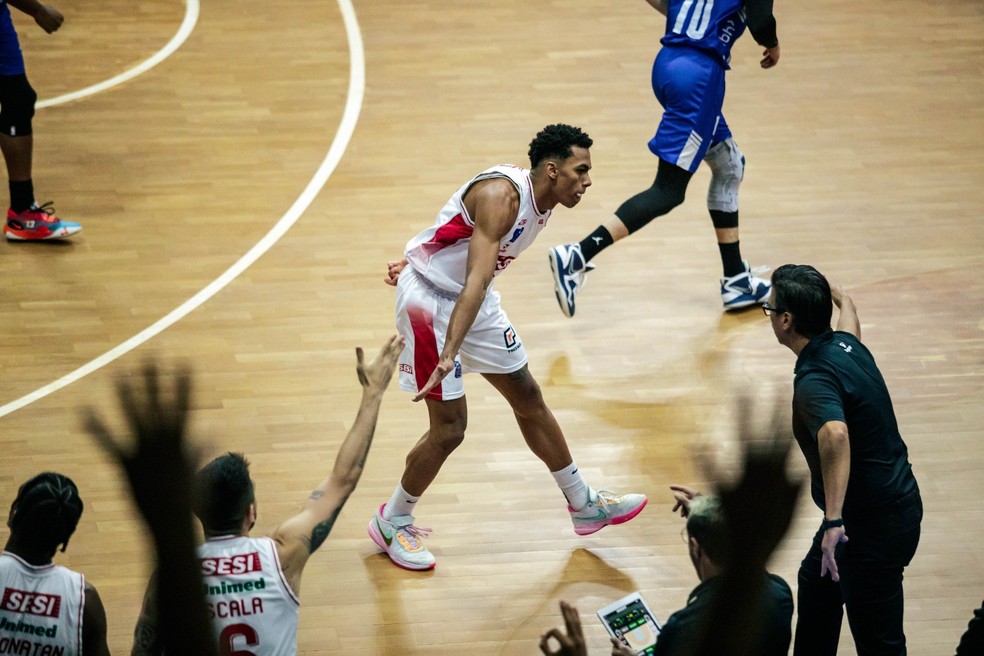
(252, 607)
(40, 608)
(440, 253)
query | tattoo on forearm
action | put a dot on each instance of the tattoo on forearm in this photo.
(321, 531)
(317, 494)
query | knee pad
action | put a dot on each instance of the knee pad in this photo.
(17, 99)
(727, 165)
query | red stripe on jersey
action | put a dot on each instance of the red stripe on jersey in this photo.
(450, 233)
(425, 354)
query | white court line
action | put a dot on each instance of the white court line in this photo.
(353, 105)
(187, 25)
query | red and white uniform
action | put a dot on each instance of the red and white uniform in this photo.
(440, 252)
(435, 274)
(40, 608)
(252, 607)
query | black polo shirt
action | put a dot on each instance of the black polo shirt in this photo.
(836, 379)
(682, 630)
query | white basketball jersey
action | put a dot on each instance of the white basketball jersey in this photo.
(252, 607)
(40, 608)
(440, 253)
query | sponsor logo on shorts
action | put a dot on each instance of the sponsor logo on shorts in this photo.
(457, 369)
(406, 368)
(509, 336)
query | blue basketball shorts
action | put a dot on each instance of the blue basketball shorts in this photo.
(11, 59)
(689, 84)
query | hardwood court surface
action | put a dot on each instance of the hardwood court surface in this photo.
(863, 151)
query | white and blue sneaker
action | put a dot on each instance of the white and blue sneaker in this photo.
(745, 289)
(569, 269)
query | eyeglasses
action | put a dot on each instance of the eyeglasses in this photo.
(769, 310)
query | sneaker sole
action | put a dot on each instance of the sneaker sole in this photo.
(381, 543)
(558, 284)
(588, 529)
(60, 234)
(741, 304)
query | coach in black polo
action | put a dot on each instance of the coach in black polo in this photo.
(859, 469)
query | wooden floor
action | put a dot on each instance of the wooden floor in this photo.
(864, 158)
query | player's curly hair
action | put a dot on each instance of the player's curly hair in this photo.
(46, 512)
(556, 141)
(223, 492)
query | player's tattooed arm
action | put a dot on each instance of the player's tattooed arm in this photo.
(146, 639)
(321, 530)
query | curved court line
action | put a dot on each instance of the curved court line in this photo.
(187, 25)
(346, 128)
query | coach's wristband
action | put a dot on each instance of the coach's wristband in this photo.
(832, 523)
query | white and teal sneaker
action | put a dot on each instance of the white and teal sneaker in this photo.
(606, 508)
(401, 540)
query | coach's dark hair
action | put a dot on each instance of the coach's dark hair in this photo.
(706, 523)
(46, 511)
(222, 495)
(802, 291)
(556, 141)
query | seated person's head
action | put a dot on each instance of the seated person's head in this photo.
(45, 513)
(223, 498)
(707, 536)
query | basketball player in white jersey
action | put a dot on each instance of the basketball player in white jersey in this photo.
(452, 322)
(46, 608)
(251, 585)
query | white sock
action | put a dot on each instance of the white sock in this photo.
(571, 483)
(400, 503)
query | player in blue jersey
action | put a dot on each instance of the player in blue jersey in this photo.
(26, 220)
(688, 80)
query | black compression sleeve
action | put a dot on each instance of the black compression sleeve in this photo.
(761, 22)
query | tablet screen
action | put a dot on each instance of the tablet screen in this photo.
(634, 625)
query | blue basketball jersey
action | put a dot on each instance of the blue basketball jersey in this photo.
(11, 60)
(709, 25)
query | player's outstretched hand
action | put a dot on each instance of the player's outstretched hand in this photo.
(759, 506)
(376, 375)
(570, 643)
(155, 457)
(393, 270)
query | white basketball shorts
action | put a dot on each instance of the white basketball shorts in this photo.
(422, 315)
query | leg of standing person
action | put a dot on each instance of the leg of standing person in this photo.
(871, 579)
(392, 528)
(590, 510)
(819, 607)
(739, 286)
(26, 220)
